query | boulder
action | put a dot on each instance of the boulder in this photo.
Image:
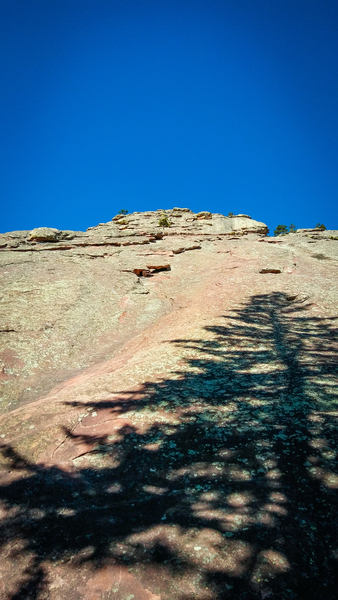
(204, 215)
(44, 234)
(248, 225)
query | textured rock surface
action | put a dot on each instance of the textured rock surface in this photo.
(70, 299)
(169, 408)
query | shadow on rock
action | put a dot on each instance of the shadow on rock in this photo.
(222, 485)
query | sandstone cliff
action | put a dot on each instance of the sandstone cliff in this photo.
(169, 409)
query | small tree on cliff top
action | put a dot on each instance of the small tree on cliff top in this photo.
(283, 229)
(280, 230)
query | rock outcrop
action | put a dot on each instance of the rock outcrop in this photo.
(168, 410)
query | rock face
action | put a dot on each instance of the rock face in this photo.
(71, 297)
(168, 410)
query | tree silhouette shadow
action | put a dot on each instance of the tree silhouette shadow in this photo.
(227, 490)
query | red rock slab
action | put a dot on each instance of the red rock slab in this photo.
(142, 272)
(164, 267)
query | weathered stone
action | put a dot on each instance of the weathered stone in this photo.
(159, 267)
(119, 218)
(44, 234)
(248, 225)
(141, 272)
(67, 235)
(168, 435)
(185, 247)
(204, 215)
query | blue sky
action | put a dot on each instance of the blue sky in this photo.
(226, 105)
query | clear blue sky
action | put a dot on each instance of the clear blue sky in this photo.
(220, 105)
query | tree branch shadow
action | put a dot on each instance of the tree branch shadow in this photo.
(226, 484)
